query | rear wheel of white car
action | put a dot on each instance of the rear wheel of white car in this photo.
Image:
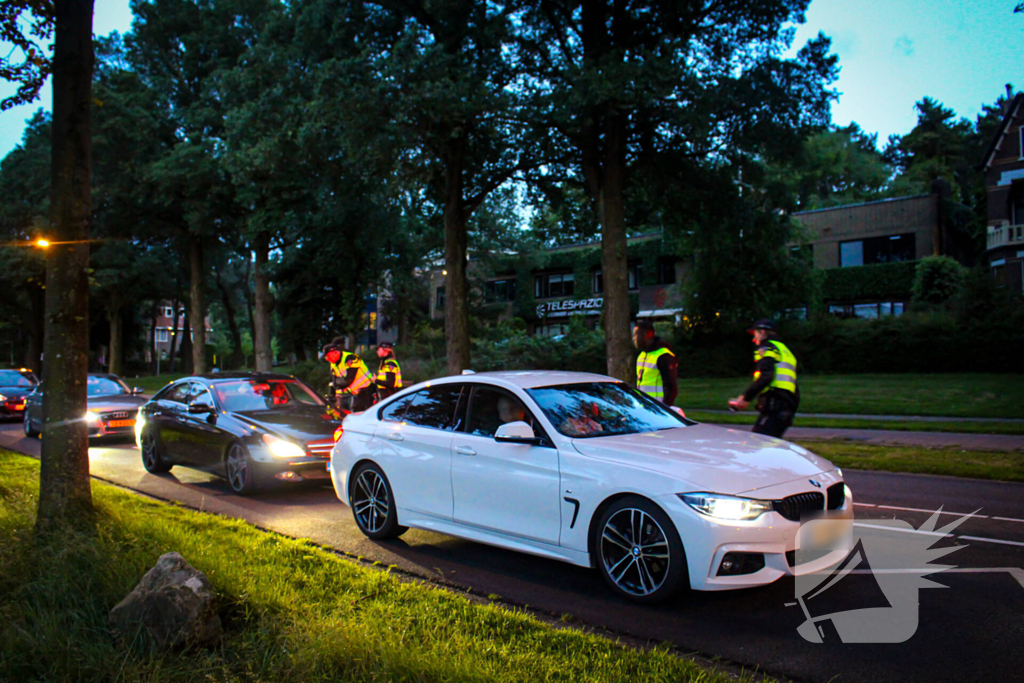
(639, 552)
(152, 453)
(373, 503)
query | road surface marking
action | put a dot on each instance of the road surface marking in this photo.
(941, 512)
(937, 533)
(1015, 573)
(1007, 519)
(864, 505)
(906, 531)
(992, 540)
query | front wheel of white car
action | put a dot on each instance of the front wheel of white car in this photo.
(639, 552)
(373, 503)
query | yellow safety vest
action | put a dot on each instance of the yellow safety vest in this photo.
(648, 377)
(363, 377)
(386, 366)
(785, 365)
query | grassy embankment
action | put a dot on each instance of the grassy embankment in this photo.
(962, 396)
(952, 462)
(292, 611)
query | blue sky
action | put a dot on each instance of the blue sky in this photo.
(891, 52)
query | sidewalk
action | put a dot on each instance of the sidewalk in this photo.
(881, 437)
(887, 418)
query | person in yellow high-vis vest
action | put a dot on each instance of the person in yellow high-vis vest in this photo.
(774, 386)
(389, 373)
(656, 367)
(350, 376)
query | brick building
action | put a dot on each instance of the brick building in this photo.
(1003, 167)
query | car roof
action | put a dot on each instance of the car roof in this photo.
(219, 376)
(528, 379)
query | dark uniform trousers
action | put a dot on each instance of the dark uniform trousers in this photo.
(777, 408)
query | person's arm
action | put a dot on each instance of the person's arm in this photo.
(345, 381)
(668, 366)
(389, 377)
(766, 366)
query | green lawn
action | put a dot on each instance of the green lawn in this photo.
(292, 612)
(151, 383)
(952, 395)
(949, 461)
(748, 417)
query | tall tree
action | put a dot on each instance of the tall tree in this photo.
(634, 83)
(435, 94)
(64, 488)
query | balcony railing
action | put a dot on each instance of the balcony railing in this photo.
(1005, 235)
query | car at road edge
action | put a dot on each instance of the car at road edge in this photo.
(584, 469)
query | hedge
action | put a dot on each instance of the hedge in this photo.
(882, 281)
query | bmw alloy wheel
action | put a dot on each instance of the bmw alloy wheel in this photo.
(635, 552)
(370, 501)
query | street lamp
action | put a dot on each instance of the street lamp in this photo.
(42, 243)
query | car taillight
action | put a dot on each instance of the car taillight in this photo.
(338, 432)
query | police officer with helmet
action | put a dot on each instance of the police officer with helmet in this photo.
(349, 375)
(774, 386)
(389, 373)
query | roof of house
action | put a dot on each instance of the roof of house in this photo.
(997, 140)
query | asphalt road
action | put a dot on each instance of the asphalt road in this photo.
(971, 631)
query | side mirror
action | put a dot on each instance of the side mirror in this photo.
(516, 432)
(678, 411)
(200, 408)
(137, 390)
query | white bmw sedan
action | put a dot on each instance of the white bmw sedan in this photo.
(584, 469)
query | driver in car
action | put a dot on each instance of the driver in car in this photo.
(510, 410)
(582, 424)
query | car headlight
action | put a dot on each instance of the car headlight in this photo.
(92, 418)
(282, 448)
(726, 507)
(2, 397)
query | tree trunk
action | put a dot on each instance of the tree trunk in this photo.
(172, 357)
(198, 313)
(186, 345)
(64, 486)
(456, 310)
(154, 351)
(230, 313)
(263, 304)
(115, 357)
(249, 307)
(614, 254)
(37, 311)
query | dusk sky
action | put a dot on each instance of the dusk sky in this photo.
(892, 54)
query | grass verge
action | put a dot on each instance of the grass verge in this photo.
(945, 395)
(292, 611)
(152, 383)
(949, 461)
(965, 427)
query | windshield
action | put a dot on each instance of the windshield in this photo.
(603, 409)
(239, 396)
(105, 386)
(17, 378)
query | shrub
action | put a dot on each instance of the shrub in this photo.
(937, 279)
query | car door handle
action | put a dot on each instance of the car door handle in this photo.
(395, 436)
(465, 450)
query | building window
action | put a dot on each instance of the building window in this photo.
(168, 312)
(554, 284)
(162, 336)
(666, 271)
(552, 330)
(1017, 204)
(439, 302)
(500, 290)
(867, 311)
(872, 250)
(633, 273)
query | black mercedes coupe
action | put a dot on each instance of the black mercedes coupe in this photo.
(250, 428)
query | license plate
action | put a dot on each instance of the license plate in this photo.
(20, 406)
(121, 423)
(328, 465)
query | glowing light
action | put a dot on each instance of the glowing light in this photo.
(42, 243)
